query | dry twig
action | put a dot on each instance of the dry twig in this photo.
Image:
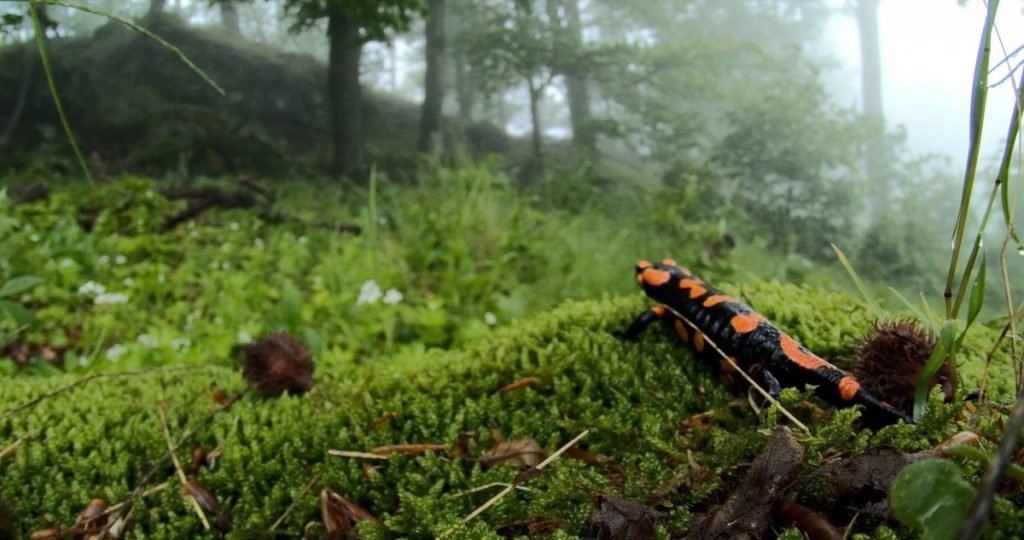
(312, 482)
(178, 469)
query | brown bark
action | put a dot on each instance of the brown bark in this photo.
(229, 16)
(430, 118)
(576, 89)
(535, 117)
(345, 95)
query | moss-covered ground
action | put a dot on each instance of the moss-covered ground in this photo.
(98, 439)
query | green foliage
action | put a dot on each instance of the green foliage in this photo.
(373, 17)
(932, 497)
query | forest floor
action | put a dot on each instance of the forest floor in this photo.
(444, 374)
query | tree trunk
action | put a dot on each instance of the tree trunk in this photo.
(433, 96)
(229, 16)
(535, 117)
(345, 95)
(31, 59)
(877, 157)
(156, 7)
(576, 89)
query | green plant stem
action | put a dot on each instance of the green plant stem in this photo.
(159, 40)
(41, 42)
(978, 98)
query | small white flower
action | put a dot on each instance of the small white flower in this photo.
(226, 246)
(392, 296)
(149, 193)
(181, 344)
(116, 352)
(104, 259)
(215, 265)
(161, 278)
(91, 287)
(193, 234)
(218, 320)
(34, 238)
(244, 337)
(147, 341)
(318, 280)
(128, 282)
(110, 298)
(225, 266)
(369, 293)
(120, 259)
(233, 225)
(258, 242)
(83, 361)
(66, 263)
(490, 318)
(303, 239)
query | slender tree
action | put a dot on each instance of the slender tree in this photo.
(229, 16)
(564, 17)
(433, 97)
(350, 24)
(876, 158)
(156, 7)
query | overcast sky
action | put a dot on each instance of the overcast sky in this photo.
(929, 49)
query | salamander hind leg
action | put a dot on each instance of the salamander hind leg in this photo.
(765, 380)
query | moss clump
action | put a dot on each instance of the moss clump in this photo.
(98, 440)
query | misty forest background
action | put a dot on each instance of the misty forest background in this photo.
(514, 155)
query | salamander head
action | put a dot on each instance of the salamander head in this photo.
(653, 275)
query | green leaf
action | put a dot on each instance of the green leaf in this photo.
(17, 312)
(943, 347)
(977, 295)
(15, 285)
(932, 497)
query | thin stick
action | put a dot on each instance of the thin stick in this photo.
(487, 486)
(732, 364)
(35, 401)
(309, 485)
(508, 489)
(129, 502)
(354, 454)
(178, 469)
(14, 446)
(147, 493)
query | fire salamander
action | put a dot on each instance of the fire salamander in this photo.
(773, 359)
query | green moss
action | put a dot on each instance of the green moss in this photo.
(98, 440)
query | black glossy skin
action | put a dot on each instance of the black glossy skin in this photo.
(758, 351)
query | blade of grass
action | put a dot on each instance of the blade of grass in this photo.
(41, 43)
(159, 40)
(860, 284)
(943, 347)
(920, 314)
(979, 95)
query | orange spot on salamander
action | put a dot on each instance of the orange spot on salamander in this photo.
(719, 298)
(655, 278)
(669, 262)
(800, 357)
(747, 322)
(848, 387)
(694, 285)
(698, 342)
(659, 311)
(681, 330)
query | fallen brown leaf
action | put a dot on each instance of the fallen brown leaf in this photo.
(521, 383)
(618, 519)
(745, 514)
(524, 452)
(339, 515)
(814, 525)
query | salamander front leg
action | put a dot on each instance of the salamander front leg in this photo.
(641, 323)
(765, 380)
